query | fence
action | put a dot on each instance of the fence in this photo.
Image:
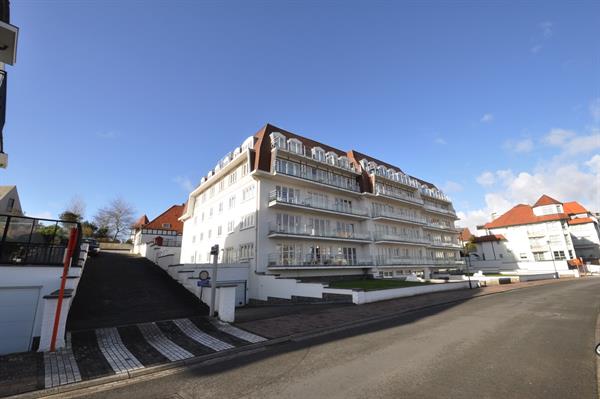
(34, 241)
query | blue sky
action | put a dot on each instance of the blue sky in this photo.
(493, 102)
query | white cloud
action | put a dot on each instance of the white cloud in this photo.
(536, 49)
(562, 176)
(452, 187)
(595, 109)
(557, 137)
(440, 141)
(546, 28)
(487, 118)
(487, 178)
(107, 135)
(185, 183)
(519, 146)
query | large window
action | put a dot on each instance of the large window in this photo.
(559, 255)
(248, 192)
(288, 194)
(247, 221)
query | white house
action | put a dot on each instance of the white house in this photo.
(288, 206)
(541, 237)
(163, 231)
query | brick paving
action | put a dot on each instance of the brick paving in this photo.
(316, 317)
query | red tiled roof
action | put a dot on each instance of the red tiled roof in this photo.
(522, 214)
(490, 237)
(170, 216)
(574, 207)
(465, 234)
(581, 221)
(546, 200)
(141, 221)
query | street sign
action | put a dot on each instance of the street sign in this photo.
(204, 279)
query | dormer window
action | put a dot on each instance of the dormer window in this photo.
(364, 164)
(278, 140)
(248, 143)
(343, 162)
(166, 225)
(381, 171)
(318, 153)
(332, 158)
(391, 173)
(295, 145)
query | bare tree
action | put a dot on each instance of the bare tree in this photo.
(117, 217)
(74, 211)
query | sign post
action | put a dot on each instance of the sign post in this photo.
(214, 251)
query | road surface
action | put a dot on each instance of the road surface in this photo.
(530, 343)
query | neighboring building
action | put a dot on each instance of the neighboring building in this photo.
(465, 236)
(290, 206)
(10, 204)
(166, 229)
(539, 237)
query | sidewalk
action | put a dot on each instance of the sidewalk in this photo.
(273, 322)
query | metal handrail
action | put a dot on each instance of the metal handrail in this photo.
(307, 203)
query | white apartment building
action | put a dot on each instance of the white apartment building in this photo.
(292, 207)
(541, 237)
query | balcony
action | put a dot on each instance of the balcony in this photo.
(382, 214)
(383, 238)
(440, 226)
(444, 244)
(536, 234)
(438, 209)
(277, 200)
(329, 180)
(306, 231)
(312, 261)
(435, 194)
(446, 262)
(303, 155)
(397, 178)
(397, 195)
(401, 261)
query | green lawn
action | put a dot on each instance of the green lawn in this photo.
(373, 285)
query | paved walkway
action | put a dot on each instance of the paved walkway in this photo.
(119, 289)
(107, 351)
(272, 322)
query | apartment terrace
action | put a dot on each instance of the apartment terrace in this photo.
(396, 216)
(311, 261)
(383, 238)
(276, 201)
(306, 231)
(390, 192)
(438, 209)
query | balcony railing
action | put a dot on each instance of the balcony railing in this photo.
(394, 215)
(307, 203)
(441, 226)
(439, 209)
(434, 194)
(309, 231)
(398, 195)
(400, 238)
(400, 261)
(447, 244)
(397, 178)
(303, 154)
(311, 260)
(31, 241)
(339, 182)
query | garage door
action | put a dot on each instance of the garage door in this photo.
(17, 315)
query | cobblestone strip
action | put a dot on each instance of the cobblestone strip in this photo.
(118, 356)
(155, 337)
(60, 367)
(190, 329)
(238, 332)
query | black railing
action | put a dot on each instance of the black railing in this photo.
(32, 241)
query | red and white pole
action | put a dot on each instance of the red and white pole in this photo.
(63, 281)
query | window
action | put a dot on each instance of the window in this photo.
(228, 255)
(193, 239)
(219, 231)
(220, 207)
(278, 140)
(166, 225)
(10, 205)
(211, 192)
(222, 185)
(230, 226)
(210, 212)
(247, 221)
(233, 177)
(248, 192)
(246, 251)
(209, 234)
(295, 145)
(232, 202)
(343, 205)
(539, 256)
(244, 170)
(203, 197)
(202, 217)
(317, 200)
(559, 255)
(288, 194)
(570, 254)
(288, 223)
(201, 236)
(318, 154)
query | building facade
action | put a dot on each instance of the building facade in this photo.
(165, 230)
(539, 237)
(290, 206)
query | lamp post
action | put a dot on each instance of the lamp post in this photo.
(553, 261)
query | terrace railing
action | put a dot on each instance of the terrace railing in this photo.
(33, 241)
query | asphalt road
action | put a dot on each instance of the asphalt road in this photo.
(530, 343)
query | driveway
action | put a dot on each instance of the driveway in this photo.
(121, 289)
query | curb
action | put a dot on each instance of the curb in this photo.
(228, 354)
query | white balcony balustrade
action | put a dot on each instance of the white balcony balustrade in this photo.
(276, 198)
(382, 213)
(304, 230)
(387, 237)
(397, 194)
(300, 260)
